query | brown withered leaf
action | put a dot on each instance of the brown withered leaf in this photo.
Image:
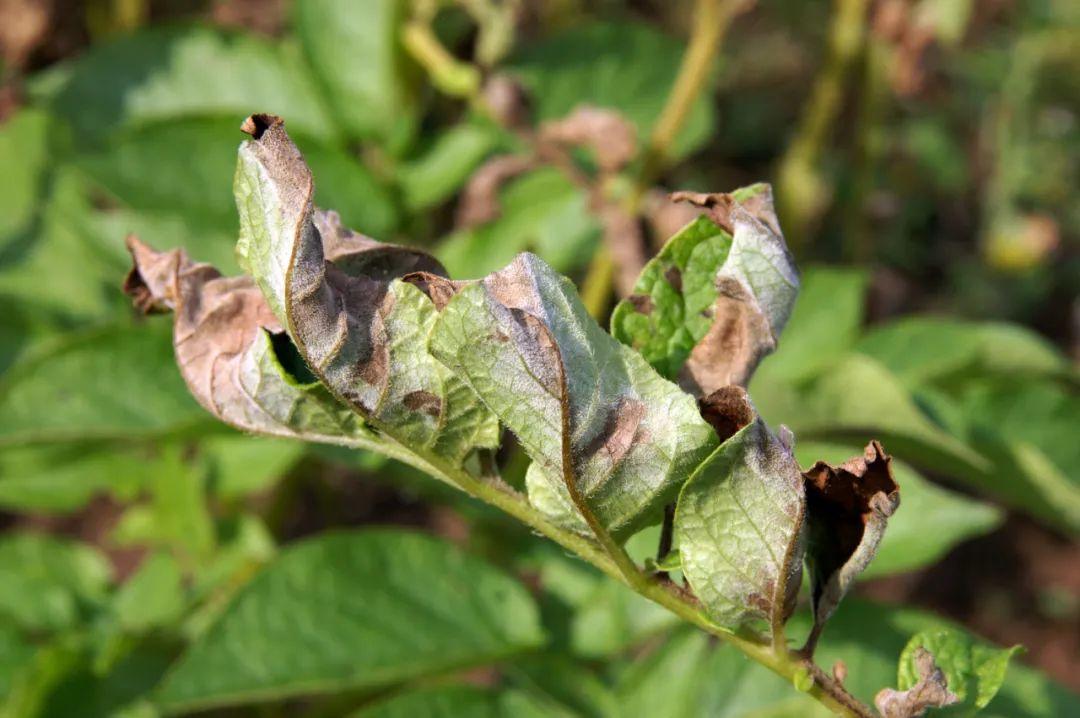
(224, 336)
(932, 691)
(608, 135)
(479, 202)
(361, 329)
(727, 410)
(848, 510)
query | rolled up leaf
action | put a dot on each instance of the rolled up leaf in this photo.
(224, 336)
(589, 411)
(361, 329)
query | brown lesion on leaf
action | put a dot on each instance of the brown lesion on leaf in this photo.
(673, 275)
(727, 410)
(423, 401)
(622, 428)
(642, 303)
(735, 343)
(932, 691)
(256, 125)
(438, 289)
(721, 207)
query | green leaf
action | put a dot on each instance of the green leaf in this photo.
(443, 168)
(974, 670)
(25, 153)
(456, 702)
(359, 327)
(541, 211)
(712, 304)
(824, 325)
(925, 349)
(688, 677)
(15, 654)
(181, 514)
(62, 478)
(233, 354)
(740, 529)
(48, 584)
(114, 383)
(589, 411)
(243, 465)
(152, 597)
(357, 611)
(164, 73)
(626, 66)
(931, 520)
(362, 64)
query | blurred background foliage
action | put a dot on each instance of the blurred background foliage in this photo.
(925, 158)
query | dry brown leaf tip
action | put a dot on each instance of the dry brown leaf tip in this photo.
(857, 489)
(727, 410)
(723, 207)
(932, 691)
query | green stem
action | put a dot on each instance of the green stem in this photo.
(802, 193)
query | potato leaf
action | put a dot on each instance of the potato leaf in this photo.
(224, 337)
(712, 304)
(740, 528)
(848, 508)
(594, 417)
(360, 328)
(352, 611)
(930, 689)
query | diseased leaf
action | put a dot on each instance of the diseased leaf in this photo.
(224, 337)
(932, 521)
(712, 304)
(356, 611)
(590, 412)
(974, 671)
(740, 529)
(361, 329)
(929, 690)
(848, 508)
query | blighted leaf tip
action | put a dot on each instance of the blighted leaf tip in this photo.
(727, 410)
(932, 691)
(255, 125)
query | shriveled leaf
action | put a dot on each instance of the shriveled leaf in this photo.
(590, 412)
(610, 137)
(974, 671)
(740, 528)
(930, 689)
(128, 388)
(712, 304)
(224, 336)
(360, 328)
(932, 521)
(848, 508)
(460, 701)
(356, 611)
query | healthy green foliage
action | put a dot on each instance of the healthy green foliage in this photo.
(433, 609)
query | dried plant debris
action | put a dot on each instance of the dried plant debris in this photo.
(931, 691)
(479, 202)
(358, 325)
(849, 507)
(610, 137)
(712, 303)
(224, 335)
(596, 420)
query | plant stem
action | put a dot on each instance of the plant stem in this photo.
(826, 690)
(802, 194)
